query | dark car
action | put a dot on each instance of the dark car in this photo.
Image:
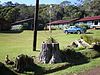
(74, 29)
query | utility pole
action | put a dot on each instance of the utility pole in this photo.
(35, 25)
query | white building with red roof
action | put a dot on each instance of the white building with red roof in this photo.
(93, 22)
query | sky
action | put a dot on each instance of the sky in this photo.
(32, 2)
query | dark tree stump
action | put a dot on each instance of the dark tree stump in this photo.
(24, 63)
(50, 53)
(56, 56)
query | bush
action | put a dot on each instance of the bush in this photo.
(87, 38)
(90, 39)
(90, 54)
(78, 57)
(96, 40)
(73, 57)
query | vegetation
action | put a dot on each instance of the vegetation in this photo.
(13, 12)
(51, 40)
(90, 53)
(90, 39)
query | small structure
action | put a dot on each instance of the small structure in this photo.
(92, 22)
(27, 22)
(61, 24)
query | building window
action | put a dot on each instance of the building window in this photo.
(95, 22)
(85, 22)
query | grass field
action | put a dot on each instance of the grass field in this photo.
(13, 44)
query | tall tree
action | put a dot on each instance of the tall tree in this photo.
(95, 6)
(12, 15)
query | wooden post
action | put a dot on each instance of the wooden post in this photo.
(50, 30)
(35, 25)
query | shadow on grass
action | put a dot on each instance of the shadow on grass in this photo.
(33, 70)
(74, 58)
(57, 69)
(38, 70)
(6, 71)
(12, 31)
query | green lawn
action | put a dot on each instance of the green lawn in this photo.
(78, 68)
(14, 44)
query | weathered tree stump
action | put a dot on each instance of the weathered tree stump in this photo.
(24, 63)
(56, 56)
(80, 43)
(50, 53)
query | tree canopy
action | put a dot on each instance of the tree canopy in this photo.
(13, 12)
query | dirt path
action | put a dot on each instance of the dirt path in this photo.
(95, 71)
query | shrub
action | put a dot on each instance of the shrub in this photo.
(73, 57)
(90, 39)
(87, 38)
(90, 54)
(96, 40)
(78, 57)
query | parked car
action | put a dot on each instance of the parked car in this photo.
(75, 29)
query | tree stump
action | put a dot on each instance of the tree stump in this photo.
(56, 56)
(24, 63)
(50, 53)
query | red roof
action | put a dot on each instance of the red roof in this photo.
(59, 22)
(89, 18)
